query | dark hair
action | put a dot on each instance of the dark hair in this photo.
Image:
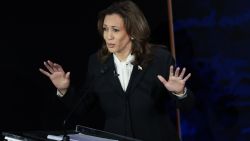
(136, 26)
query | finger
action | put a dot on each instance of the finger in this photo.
(162, 79)
(176, 74)
(50, 62)
(67, 75)
(52, 65)
(57, 67)
(44, 72)
(187, 77)
(49, 67)
(171, 71)
(182, 73)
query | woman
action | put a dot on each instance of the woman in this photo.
(127, 77)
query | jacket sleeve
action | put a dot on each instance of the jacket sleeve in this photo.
(188, 101)
(82, 99)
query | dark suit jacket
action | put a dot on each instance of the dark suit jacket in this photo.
(142, 111)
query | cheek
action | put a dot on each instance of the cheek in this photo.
(124, 41)
(104, 36)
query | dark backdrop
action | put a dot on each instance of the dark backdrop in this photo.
(211, 40)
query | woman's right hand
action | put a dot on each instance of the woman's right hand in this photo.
(56, 74)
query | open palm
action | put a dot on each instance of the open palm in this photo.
(56, 74)
(176, 81)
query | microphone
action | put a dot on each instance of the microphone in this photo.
(103, 70)
(115, 73)
(65, 121)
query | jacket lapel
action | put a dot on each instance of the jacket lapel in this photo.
(137, 74)
(113, 75)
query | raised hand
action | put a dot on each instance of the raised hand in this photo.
(176, 81)
(56, 74)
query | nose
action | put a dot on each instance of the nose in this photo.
(110, 35)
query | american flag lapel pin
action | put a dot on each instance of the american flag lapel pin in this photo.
(139, 67)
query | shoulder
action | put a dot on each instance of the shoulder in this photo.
(93, 61)
(94, 58)
(160, 51)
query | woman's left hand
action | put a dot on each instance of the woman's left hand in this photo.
(176, 81)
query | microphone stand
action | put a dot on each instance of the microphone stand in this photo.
(90, 87)
(65, 135)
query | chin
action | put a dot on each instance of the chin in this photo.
(111, 50)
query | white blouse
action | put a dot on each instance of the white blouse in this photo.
(124, 70)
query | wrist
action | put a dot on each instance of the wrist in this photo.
(62, 91)
(181, 92)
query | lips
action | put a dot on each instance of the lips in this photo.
(110, 45)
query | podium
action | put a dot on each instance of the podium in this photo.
(81, 133)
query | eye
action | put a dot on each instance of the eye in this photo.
(104, 29)
(116, 30)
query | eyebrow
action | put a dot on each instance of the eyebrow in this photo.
(111, 26)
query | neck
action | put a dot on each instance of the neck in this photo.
(122, 57)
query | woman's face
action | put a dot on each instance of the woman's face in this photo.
(115, 35)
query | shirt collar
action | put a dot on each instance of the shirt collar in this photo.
(129, 59)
